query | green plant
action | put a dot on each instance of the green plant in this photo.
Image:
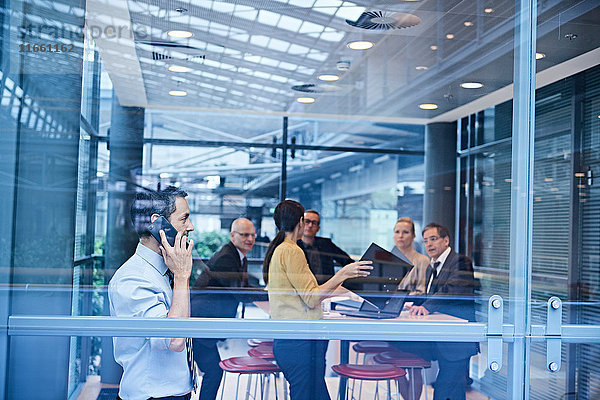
(208, 243)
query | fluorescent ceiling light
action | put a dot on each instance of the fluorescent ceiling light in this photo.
(360, 45)
(178, 68)
(450, 36)
(433, 47)
(468, 23)
(471, 85)
(305, 100)
(328, 77)
(179, 93)
(421, 68)
(539, 56)
(488, 10)
(180, 34)
(428, 106)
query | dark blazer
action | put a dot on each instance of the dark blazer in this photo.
(225, 272)
(329, 254)
(452, 292)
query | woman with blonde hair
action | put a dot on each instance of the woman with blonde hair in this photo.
(295, 294)
(414, 281)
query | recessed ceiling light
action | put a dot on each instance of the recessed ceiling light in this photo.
(421, 68)
(180, 34)
(471, 85)
(178, 68)
(488, 10)
(328, 77)
(450, 36)
(360, 45)
(468, 23)
(305, 100)
(539, 56)
(428, 106)
(433, 47)
(179, 93)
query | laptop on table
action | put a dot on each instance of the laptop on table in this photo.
(391, 308)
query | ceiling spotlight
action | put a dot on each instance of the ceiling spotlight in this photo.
(539, 56)
(178, 93)
(428, 106)
(360, 45)
(180, 34)
(328, 77)
(450, 36)
(178, 68)
(488, 10)
(305, 100)
(471, 85)
(468, 23)
(433, 47)
(421, 68)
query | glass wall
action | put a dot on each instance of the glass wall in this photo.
(481, 116)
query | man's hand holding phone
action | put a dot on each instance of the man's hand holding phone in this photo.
(178, 257)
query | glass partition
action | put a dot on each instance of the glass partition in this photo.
(481, 116)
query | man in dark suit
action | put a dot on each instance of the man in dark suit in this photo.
(322, 255)
(449, 285)
(228, 269)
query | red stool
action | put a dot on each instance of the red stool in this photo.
(370, 373)
(249, 366)
(256, 342)
(263, 350)
(409, 362)
(368, 347)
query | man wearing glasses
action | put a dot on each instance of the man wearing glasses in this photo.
(228, 269)
(322, 255)
(450, 290)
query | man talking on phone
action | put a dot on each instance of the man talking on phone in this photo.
(154, 283)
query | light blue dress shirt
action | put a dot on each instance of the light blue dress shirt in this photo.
(141, 288)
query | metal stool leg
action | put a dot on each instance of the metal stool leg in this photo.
(223, 387)
(424, 382)
(412, 383)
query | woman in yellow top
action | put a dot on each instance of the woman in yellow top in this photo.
(295, 294)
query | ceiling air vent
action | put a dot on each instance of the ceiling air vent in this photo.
(162, 51)
(316, 88)
(384, 20)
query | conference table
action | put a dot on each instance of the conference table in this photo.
(344, 294)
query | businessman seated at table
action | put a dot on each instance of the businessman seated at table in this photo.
(228, 272)
(449, 290)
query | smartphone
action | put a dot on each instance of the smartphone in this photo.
(162, 223)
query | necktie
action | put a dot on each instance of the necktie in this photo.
(431, 275)
(191, 363)
(171, 277)
(244, 272)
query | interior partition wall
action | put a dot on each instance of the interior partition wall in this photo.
(519, 168)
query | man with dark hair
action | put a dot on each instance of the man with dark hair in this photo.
(321, 253)
(228, 269)
(154, 283)
(449, 290)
